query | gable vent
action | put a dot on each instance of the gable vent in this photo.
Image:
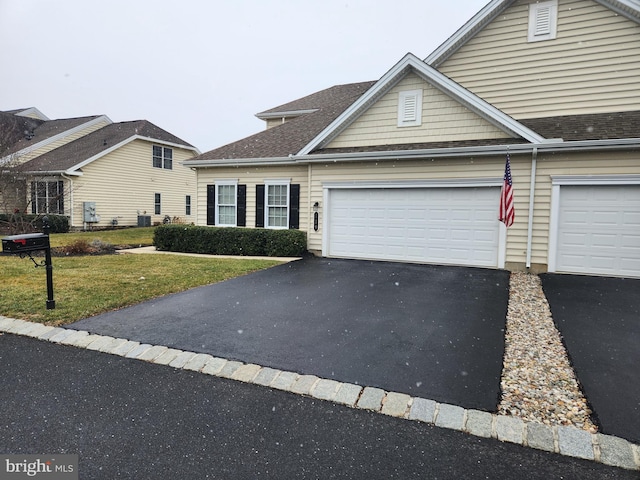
(543, 21)
(543, 18)
(410, 108)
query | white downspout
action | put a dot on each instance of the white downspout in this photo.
(532, 188)
(71, 197)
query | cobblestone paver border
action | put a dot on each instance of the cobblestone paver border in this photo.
(569, 441)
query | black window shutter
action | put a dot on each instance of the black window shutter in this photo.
(211, 204)
(259, 205)
(242, 206)
(294, 205)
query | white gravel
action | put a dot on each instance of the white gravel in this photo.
(538, 383)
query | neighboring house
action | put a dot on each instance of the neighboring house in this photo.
(97, 172)
(409, 168)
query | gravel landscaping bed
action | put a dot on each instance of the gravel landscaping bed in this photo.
(538, 382)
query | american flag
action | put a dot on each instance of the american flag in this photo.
(507, 213)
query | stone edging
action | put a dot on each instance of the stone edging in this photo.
(565, 440)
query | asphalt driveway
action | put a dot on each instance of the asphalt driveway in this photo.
(431, 331)
(599, 318)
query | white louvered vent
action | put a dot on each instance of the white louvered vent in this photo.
(410, 108)
(543, 18)
(543, 21)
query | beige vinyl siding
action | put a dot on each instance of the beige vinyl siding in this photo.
(123, 183)
(591, 67)
(252, 176)
(597, 163)
(81, 132)
(430, 169)
(443, 119)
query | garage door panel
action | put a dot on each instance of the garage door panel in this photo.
(439, 225)
(599, 230)
(631, 218)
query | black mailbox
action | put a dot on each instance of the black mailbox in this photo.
(30, 242)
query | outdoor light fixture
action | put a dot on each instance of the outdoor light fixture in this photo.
(316, 206)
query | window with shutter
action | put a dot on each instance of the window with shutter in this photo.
(410, 108)
(543, 19)
(226, 203)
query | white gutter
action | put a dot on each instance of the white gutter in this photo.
(532, 187)
(553, 146)
(242, 162)
(390, 155)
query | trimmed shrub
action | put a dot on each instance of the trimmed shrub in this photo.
(18, 223)
(230, 241)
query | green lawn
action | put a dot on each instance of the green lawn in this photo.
(135, 237)
(89, 285)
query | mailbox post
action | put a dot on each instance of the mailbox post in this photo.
(25, 245)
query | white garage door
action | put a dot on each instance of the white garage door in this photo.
(436, 225)
(599, 230)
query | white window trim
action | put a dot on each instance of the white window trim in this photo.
(267, 184)
(549, 7)
(328, 187)
(404, 97)
(554, 217)
(220, 183)
(162, 157)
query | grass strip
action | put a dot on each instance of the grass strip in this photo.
(89, 285)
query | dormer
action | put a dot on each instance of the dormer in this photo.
(275, 118)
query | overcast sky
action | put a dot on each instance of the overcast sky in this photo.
(202, 69)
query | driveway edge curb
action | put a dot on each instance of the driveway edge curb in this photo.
(566, 440)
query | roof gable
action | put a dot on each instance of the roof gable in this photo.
(439, 118)
(411, 64)
(72, 156)
(628, 8)
(35, 134)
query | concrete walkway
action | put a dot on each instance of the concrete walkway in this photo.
(567, 441)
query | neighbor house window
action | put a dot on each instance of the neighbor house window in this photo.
(226, 203)
(277, 205)
(410, 108)
(47, 197)
(162, 157)
(157, 203)
(187, 209)
(543, 19)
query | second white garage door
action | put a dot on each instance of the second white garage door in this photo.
(456, 226)
(599, 230)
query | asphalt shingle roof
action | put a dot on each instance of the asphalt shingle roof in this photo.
(88, 146)
(24, 132)
(598, 126)
(290, 137)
